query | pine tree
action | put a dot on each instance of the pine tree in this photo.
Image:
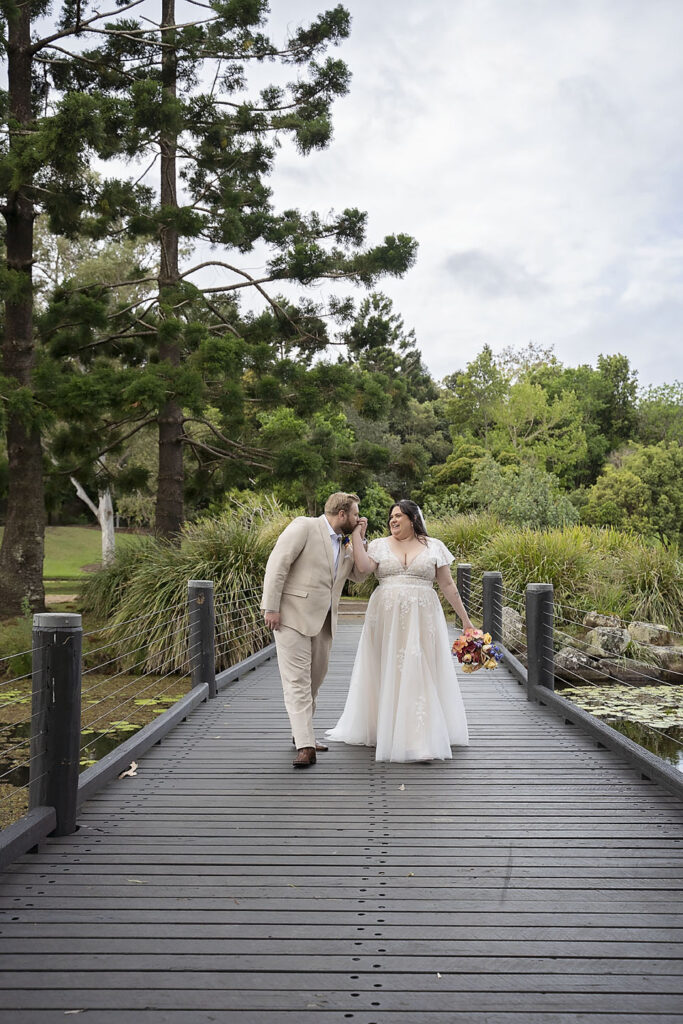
(48, 140)
(189, 112)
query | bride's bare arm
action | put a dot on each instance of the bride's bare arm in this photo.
(452, 595)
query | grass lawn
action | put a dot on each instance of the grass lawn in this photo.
(69, 548)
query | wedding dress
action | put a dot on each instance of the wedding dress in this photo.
(404, 696)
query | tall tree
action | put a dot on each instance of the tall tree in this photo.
(473, 394)
(191, 113)
(45, 152)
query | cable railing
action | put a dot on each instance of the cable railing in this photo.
(125, 679)
(549, 647)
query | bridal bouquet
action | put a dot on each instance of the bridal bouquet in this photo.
(475, 650)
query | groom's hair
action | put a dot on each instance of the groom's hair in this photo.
(338, 502)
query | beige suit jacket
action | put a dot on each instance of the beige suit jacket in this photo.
(300, 583)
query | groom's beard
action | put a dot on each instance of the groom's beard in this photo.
(347, 529)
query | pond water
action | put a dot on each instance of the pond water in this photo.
(93, 748)
(657, 736)
(651, 716)
(667, 744)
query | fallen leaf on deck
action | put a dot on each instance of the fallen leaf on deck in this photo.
(438, 975)
(133, 770)
(139, 881)
(401, 786)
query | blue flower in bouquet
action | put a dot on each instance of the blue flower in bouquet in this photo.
(496, 652)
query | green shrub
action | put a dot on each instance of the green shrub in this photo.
(651, 577)
(151, 588)
(15, 639)
(563, 557)
(466, 535)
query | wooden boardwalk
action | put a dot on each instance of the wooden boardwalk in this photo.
(535, 878)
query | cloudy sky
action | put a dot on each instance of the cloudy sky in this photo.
(534, 149)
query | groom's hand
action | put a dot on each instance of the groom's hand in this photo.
(272, 620)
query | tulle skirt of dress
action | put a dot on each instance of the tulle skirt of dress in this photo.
(404, 696)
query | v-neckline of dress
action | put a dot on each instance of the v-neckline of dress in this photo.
(411, 562)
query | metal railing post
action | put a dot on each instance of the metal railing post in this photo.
(202, 634)
(464, 583)
(56, 716)
(539, 630)
(493, 604)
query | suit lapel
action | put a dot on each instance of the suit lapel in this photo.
(327, 543)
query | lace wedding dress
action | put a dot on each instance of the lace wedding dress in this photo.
(404, 696)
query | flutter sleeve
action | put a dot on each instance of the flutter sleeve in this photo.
(375, 550)
(443, 555)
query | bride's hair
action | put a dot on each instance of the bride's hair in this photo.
(410, 509)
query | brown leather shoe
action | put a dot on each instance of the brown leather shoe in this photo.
(318, 746)
(305, 757)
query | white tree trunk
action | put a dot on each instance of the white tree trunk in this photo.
(104, 513)
(105, 516)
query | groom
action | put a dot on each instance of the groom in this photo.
(305, 574)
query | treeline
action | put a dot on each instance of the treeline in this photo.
(134, 380)
(121, 320)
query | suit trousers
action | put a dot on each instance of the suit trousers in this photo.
(302, 661)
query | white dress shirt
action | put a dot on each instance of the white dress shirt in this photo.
(336, 544)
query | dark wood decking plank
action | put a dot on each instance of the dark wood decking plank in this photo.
(539, 875)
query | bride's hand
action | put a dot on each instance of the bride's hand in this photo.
(362, 527)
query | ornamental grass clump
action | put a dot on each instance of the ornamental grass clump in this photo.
(651, 578)
(563, 557)
(466, 535)
(148, 592)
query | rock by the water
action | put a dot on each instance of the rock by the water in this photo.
(650, 633)
(594, 619)
(671, 660)
(607, 641)
(575, 667)
(628, 670)
(513, 629)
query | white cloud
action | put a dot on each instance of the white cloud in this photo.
(533, 148)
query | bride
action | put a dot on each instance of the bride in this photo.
(404, 696)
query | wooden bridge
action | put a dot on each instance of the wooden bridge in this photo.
(535, 877)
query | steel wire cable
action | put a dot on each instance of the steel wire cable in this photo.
(651, 728)
(24, 721)
(246, 614)
(230, 611)
(17, 679)
(577, 643)
(23, 764)
(19, 654)
(137, 618)
(245, 597)
(116, 675)
(138, 693)
(122, 640)
(124, 654)
(235, 595)
(22, 743)
(24, 785)
(251, 599)
(123, 671)
(623, 682)
(241, 636)
(12, 795)
(15, 700)
(94, 739)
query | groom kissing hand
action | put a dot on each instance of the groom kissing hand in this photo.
(305, 575)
